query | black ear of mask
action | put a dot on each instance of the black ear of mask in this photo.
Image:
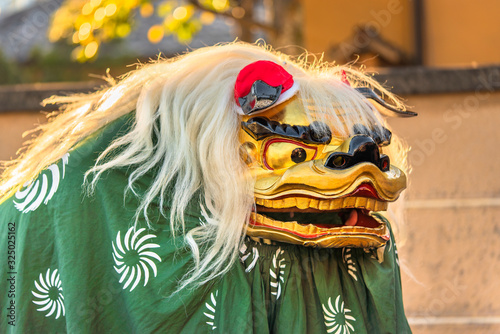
(261, 96)
(387, 110)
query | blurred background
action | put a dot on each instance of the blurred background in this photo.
(441, 56)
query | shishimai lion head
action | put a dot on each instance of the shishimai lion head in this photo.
(267, 146)
(321, 172)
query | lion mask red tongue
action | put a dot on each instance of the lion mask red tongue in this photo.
(359, 218)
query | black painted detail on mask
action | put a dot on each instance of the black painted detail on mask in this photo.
(388, 109)
(261, 127)
(261, 96)
(361, 149)
(382, 139)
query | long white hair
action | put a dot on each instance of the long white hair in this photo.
(186, 129)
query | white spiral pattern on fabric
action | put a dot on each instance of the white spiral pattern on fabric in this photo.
(245, 254)
(211, 306)
(336, 317)
(41, 190)
(348, 260)
(48, 294)
(133, 257)
(277, 275)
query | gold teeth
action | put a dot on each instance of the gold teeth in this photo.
(311, 229)
(303, 203)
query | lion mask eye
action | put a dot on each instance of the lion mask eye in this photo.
(298, 155)
(283, 153)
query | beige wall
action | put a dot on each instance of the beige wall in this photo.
(455, 32)
(330, 22)
(462, 32)
(453, 229)
(12, 126)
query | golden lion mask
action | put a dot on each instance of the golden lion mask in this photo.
(313, 187)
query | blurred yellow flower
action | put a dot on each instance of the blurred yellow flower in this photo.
(110, 9)
(207, 18)
(147, 10)
(180, 13)
(99, 14)
(220, 5)
(91, 49)
(155, 34)
(123, 30)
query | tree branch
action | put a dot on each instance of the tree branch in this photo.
(243, 21)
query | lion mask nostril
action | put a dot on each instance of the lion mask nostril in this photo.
(362, 148)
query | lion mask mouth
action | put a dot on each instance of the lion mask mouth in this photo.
(348, 221)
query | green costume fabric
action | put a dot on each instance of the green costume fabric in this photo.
(77, 265)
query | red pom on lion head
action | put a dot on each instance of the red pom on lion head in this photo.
(261, 85)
